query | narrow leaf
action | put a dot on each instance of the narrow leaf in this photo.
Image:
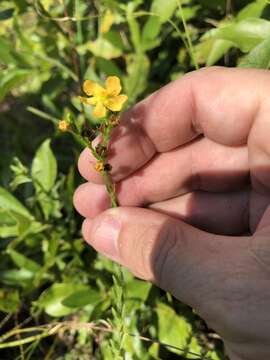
(9, 203)
(44, 167)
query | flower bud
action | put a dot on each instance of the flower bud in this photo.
(114, 120)
(63, 126)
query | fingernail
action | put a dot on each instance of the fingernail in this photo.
(106, 236)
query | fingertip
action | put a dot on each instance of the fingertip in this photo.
(86, 229)
(90, 199)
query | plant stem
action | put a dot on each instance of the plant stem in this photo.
(190, 45)
(110, 187)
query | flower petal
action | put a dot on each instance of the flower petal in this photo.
(88, 101)
(113, 86)
(99, 111)
(92, 88)
(115, 103)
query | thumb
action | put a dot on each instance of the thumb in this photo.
(172, 254)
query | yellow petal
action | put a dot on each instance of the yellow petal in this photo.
(107, 22)
(116, 103)
(92, 88)
(113, 86)
(88, 101)
(99, 111)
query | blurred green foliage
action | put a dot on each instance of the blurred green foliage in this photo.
(47, 272)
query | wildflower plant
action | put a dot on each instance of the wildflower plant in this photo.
(47, 48)
(108, 103)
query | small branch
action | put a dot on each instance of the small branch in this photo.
(54, 328)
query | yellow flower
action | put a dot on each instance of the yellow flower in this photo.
(63, 125)
(104, 99)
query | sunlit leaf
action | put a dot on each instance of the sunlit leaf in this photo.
(245, 34)
(52, 299)
(138, 69)
(253, 9)
(164, 9)
(138, 290)
(104, 48)
(259, 57)
(82, 298)
(12, 79)
(175, 330)
(44, 167)
(16, 277)
(23, 262)
(9, 203)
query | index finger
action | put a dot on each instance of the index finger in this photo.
(219, 103)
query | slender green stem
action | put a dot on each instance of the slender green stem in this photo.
(110, 189)
(24, 341)
(110, 186)
(190, 45)
(54, 328)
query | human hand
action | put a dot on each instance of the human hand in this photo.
(192, 166)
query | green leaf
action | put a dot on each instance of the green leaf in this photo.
(6, 52)
(23, 224)
(8, 225)
(218, 49)
(175, 330)
(82, 298)
(9, 300)
(108, 67)
(164, 9)
(138, 289)
(188, 12)
(104, 48)
(253, 9)
(245, 34)
(51, 300)
(44, 167)
(8, 203)
(19, 180)
(5, 218)
(8, 231)
(138, 69)
(23, 262)
(13, 224)
(161, 11)
(12, 79)
(259, 57)
(134, 28)
(151, 28)
(16, 277)
(20, 173)
(44, 172)
(115, 39)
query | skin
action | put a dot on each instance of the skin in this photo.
(192, 166)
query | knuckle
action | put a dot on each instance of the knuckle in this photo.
(146, 146)
(259, 248)
(164, 257)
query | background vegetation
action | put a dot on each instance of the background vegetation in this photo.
(56, 298)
